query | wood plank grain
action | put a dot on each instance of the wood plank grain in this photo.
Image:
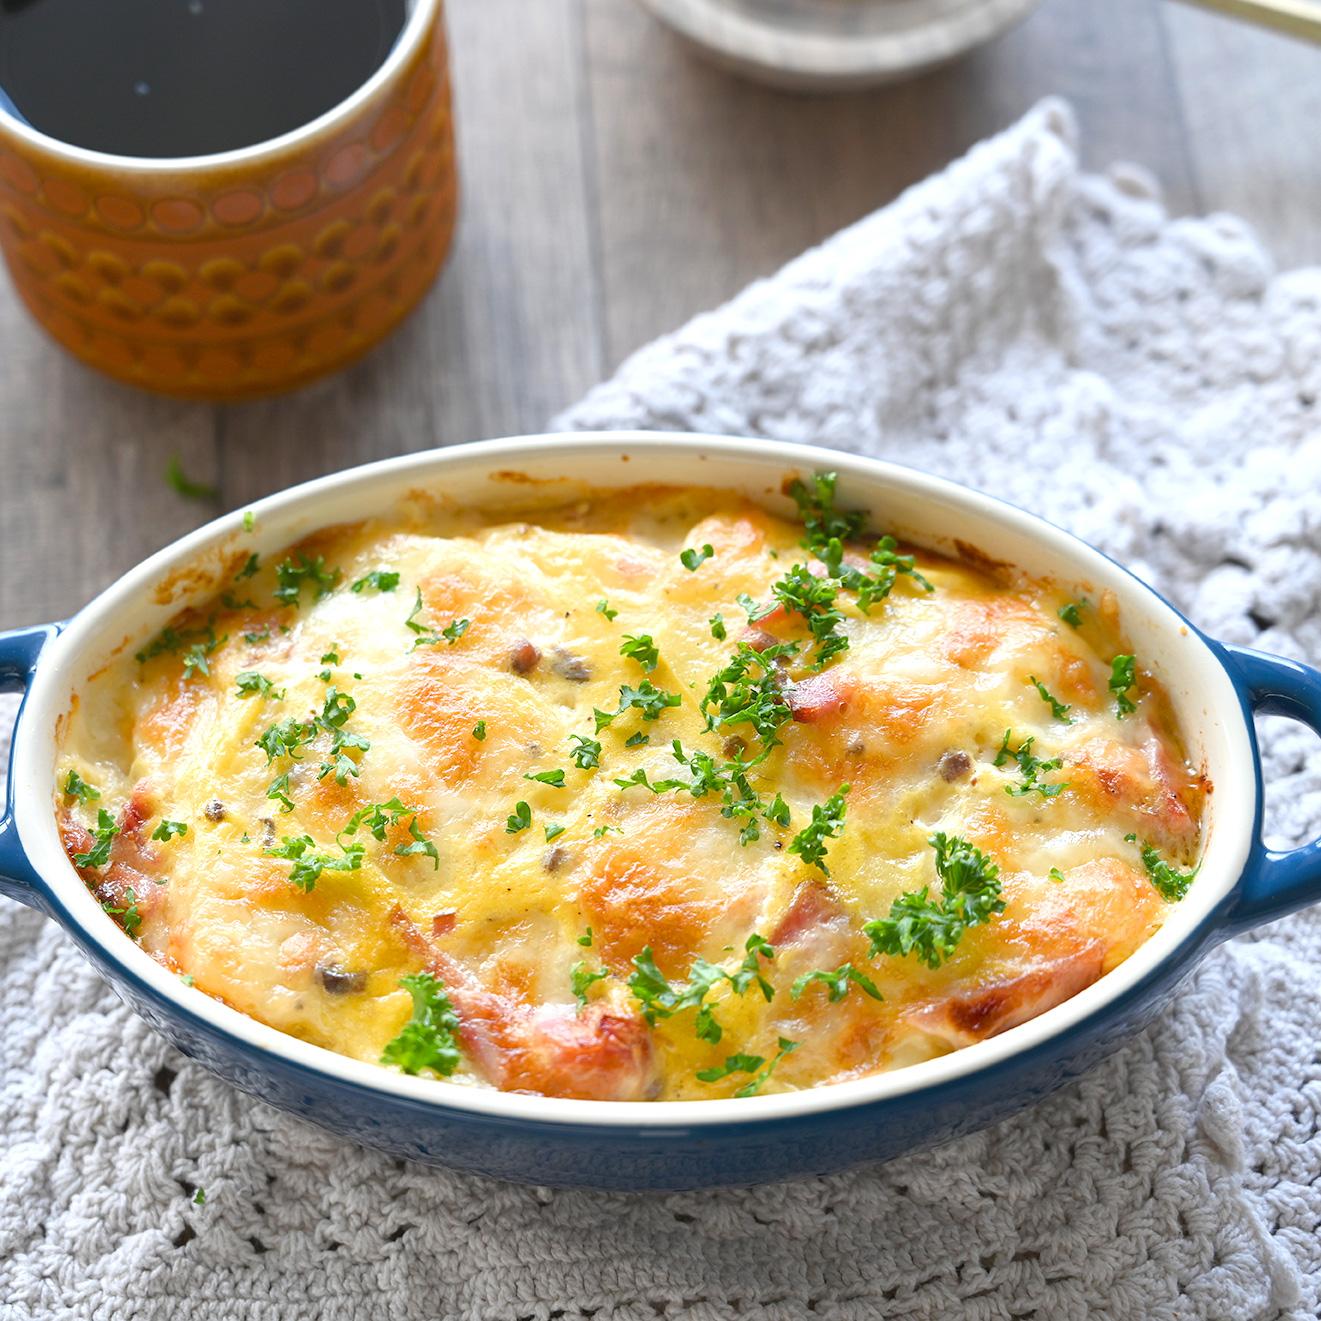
(510, 333)
(82, 463)
(1251, 105)
(706, 181)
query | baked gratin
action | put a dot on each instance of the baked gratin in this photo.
(651, 795)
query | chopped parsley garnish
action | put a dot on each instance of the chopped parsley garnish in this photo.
(659, 999)
(826, 823)
(813, 598)
(199, 1197)
(637, 740)
(278, 790)
(1031, 767)
(821, 520)
(338, 708)
(232, 602)
(727, 779)
(1123, 679)
(691, 558)
(190, 490)
(754, 609)
(605, 830)
(827, 529)
(428, 1039)
(76, 787)
(641, 649)
(587, 754)
(376, 818)
(196, 643)
(1055, 874)
(168, 830)
(603, 608)
(553, 778)
(249, 520)
(748, 1064)
(1060, 710)
(254, 638)
(421, 846)
(1071, 613)
(585, 940)
(131, 914)
(932, 928)
(308, 864)
(249, 569)
(554, 831)
(837, 983)
(291, 576)
(479, 730)
(520, 819)
(284, 738)
(1170, 883)
(718, 629)
(252, 684)
(646, 697)
(99, 854)
(379, 580)
(582, 979)
(747, 691)
(455, 629)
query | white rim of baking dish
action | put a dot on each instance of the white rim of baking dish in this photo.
(1200, 687)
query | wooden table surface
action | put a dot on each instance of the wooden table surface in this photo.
(613, 185)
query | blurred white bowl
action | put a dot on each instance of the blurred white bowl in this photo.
(832, 44)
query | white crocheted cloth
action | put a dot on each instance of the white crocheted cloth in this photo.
(1049, 337)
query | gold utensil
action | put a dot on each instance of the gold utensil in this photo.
(1299, 18)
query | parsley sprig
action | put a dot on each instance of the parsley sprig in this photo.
(376, 818)
(837, 983)
(932, 928)
(103, 836)
(1170, 883)
(826, 823)
(1123, 681)
(1060, 710)
(659, 998)
(646, 698)
(747, 691)
(76, 787)
(641, 649)
(1032, 768)
(292, 575)
(428, 1039)
(308, 863)
(754, 1064)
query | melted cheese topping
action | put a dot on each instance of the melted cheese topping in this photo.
(911, 716)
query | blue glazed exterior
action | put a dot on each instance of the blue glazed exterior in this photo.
(761, 1150)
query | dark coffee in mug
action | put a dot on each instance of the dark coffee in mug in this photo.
(186, 77)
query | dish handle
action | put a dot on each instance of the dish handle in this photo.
(1275, 883)
(20, 650)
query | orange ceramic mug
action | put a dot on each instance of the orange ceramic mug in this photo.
(248, 271)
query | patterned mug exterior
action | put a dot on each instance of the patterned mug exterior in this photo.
(251, 271)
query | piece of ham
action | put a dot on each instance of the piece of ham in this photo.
(598, 1054)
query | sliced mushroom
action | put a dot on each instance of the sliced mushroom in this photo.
(215, 810)
(571, 667)
(339, 982)
(954, 765)
(523, 656)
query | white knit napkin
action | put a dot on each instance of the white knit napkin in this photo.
(1052, 338)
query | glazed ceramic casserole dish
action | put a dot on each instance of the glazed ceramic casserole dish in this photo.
(1213, 690)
